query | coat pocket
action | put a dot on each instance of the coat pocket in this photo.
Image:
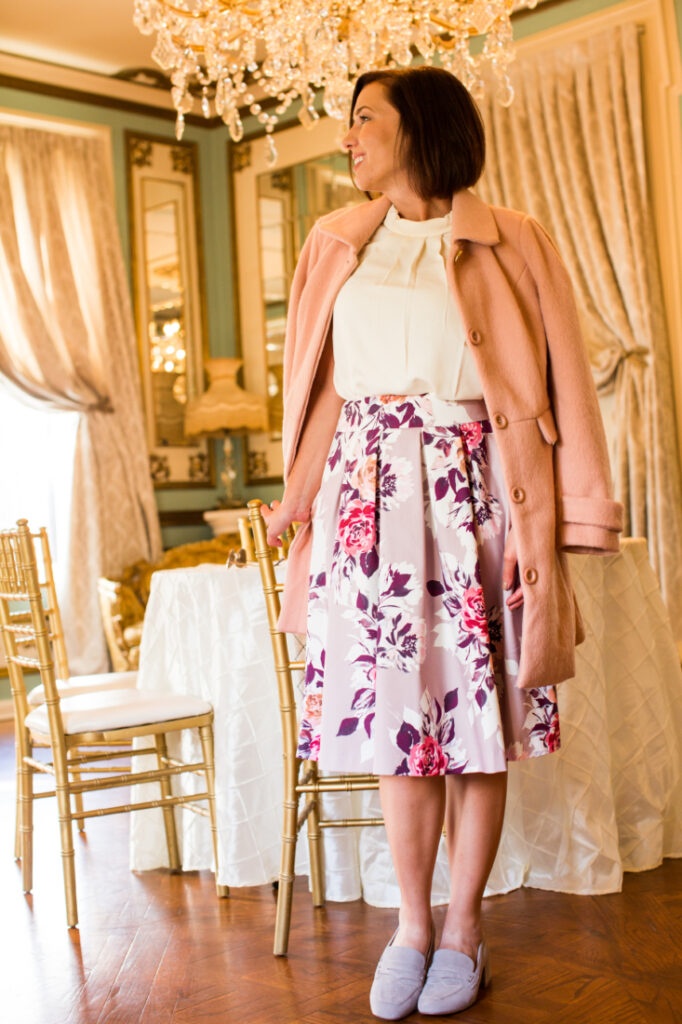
(547, 426)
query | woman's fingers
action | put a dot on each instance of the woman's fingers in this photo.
(276, 522)
(509, 561)
(509, 572)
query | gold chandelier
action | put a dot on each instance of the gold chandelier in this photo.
(230, 54)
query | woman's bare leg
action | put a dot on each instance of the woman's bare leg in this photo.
(474, 815)
(413, 810)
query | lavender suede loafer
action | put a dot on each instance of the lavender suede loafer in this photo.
(398, 980)
(454, 980)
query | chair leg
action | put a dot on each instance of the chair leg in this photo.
(68, 865)
(77, 797)
(168, 812)
(206, 737)
(25, 802)
(315, 850)
(17, 817)
(286, 872)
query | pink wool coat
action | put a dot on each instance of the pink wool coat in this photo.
(518, 310)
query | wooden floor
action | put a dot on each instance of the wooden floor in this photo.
(157, 948)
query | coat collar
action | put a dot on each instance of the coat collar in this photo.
(472, 220)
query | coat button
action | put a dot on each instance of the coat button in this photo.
(530, 575)
(500, 420)
(475, 337)
(518, 494)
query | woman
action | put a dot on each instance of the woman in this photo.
(443, 449)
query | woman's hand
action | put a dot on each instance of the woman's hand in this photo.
(510, 564)
(279, 517)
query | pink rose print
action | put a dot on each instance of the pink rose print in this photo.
(473, 611)
(553, 736)
(314, 750)
(356, 527)
(364, 477)
(471, 435)
(312, 708)
(427, 758)
(385, 399)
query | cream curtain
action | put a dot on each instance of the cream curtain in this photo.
(570, 151)
(67, 340)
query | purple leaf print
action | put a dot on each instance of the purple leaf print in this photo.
(453, 476)
(407, 737)
(446, 732)
(363, 698)
(368, 724)
(362, 602)
(435, 588)
(441, 488)
(369, 562)
(398, 586)
(481, 697)
(451, 700)
(347, 727)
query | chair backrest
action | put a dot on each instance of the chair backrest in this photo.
(284, 665)
(27, 627)
(123, 657)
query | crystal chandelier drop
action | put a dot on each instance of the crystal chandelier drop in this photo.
(223, 52)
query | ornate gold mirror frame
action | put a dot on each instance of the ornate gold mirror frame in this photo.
(273, 211)
(170, 311)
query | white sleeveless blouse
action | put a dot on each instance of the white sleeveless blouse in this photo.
(396, 326)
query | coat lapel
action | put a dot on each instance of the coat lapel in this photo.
(472, 221)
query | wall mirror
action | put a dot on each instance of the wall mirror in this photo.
(169, 303)
(282, 204)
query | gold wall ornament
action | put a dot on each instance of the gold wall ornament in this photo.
(222, 52)
(182, 160)
(241, 156)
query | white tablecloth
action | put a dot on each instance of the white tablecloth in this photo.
(609, 801)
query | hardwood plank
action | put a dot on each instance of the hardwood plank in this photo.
(157, 948)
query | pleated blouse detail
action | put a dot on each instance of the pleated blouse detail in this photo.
(396, 326)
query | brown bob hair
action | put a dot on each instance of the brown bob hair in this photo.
(441, 142)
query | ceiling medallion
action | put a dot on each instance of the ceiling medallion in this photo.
(219, 52)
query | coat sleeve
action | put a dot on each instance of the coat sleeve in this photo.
(305, 260)
(589, 518)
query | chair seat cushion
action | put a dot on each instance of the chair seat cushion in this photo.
(75, 685)
(118, 709)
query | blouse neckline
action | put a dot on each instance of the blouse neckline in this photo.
(417, 228)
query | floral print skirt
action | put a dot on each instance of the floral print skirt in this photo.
(412, 653)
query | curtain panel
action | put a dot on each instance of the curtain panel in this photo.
(67, 340)
(570, 151)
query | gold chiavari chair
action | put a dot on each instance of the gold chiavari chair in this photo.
(301, 778)
(67, 685)
(75, 728)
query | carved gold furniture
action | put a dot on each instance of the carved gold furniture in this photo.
(301, 778)
(67, 726)
(123, 599)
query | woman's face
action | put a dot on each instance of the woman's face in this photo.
(372, 141)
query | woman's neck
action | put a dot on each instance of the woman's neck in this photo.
(410, 206)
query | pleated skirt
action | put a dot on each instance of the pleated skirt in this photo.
(412, 653)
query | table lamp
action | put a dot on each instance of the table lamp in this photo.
(225, 409)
